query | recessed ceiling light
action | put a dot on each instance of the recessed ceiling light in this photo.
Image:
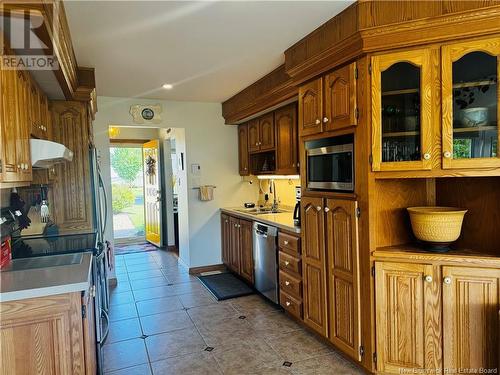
(167, 86)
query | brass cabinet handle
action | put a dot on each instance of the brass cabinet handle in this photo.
(287, 303)
(287, 262)
(285, 242)
(287, 283)
(427, 156)
(318, 208)
(447, 154)
(318, 121)
(327, 209)
(428, 278)
(447, 280)
(325, 119)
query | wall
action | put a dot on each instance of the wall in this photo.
(209, 143)
(285, 190)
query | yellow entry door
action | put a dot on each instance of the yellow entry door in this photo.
(152, 192)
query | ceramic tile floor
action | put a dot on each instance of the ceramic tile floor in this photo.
(164, 321)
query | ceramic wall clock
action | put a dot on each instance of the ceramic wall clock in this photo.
(146, 114)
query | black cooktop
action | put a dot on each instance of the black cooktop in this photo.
(33, 246)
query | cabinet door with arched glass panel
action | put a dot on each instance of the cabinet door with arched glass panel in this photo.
(401, 111)
(470, 104)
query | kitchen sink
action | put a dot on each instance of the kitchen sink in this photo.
(45, 262)
(258, 211)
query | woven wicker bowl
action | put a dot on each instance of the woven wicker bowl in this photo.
(437, 225)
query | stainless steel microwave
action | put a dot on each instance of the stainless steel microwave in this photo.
(331, 168)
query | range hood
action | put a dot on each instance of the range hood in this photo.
(44, 154)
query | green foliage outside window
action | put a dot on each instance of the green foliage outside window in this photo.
(127, 163)
(123, 197)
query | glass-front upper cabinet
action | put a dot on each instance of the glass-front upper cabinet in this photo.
(401, 111)
(470, 104)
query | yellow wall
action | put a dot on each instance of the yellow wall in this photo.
(284, 188)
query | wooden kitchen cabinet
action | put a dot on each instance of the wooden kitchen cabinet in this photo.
(237, 246)
(266, 132)
(23, 127)
(261, 133)
(73, 209)
(402, 92)
(253, 136)
(343, 275)
(311, 107)
(244, 166)
(89, 331)
(411, 332)
(234, 258)
(407, 317)
(329, 103)
(470, 110)
(246, 250)
(46, 335)
(15, 146)
(471, 310)
(285, 120)
(290, 274)
(314, 265)
(225, 239)
(340, 98)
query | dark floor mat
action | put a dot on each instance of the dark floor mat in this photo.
(225, 286)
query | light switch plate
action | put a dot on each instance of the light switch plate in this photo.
(195, 169)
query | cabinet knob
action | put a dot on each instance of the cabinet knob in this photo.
(447, 154)
(428, 278)
(285, 242)
(19, 166)
(327, 209)
(236, 225)
(317, 121)
(287, 262)
(245, 168)
(256, 143)
(226, 221)
(318, 208)
(447, 280)
(287, 303)
(427, 156)
(287, 283)
(325, 119)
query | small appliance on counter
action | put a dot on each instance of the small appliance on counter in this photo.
(296, 211)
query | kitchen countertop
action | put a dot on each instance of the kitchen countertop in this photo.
(32, 282)
(282, 220)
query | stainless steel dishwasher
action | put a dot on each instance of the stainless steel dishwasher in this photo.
(265, 260)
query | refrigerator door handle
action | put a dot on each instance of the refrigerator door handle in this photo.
(105, 223)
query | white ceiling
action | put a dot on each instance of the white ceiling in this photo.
(209, 51)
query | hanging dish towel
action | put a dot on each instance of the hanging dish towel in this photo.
(206, 193)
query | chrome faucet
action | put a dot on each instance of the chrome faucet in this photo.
(272, 186)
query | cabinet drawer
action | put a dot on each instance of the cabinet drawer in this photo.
(291, 305)
(289, 244)
(289, 263)
(290, 285)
